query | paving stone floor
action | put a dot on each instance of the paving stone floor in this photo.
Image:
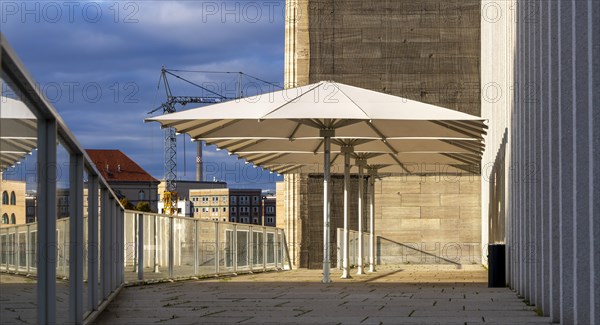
(404, 294)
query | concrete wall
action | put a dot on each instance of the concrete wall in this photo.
(429, 219)
(423, 50)
(542, 151)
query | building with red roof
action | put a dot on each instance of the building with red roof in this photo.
(126, 177)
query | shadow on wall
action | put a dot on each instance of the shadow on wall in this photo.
(392, 252)
(497, 183)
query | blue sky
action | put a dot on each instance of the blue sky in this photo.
(99, 62)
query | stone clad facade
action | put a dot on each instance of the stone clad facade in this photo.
(423, 50)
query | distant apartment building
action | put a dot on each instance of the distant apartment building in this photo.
(12, 207)
(270, 208)
(183, 187)
(228, 205)
(30, 208)
(62, 203)
(126, 177)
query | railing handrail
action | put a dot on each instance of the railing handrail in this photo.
(192, 218)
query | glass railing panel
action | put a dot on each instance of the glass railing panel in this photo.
(207, 247)
(242, 244)
(183, 247)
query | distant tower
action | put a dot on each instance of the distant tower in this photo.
(199, 161)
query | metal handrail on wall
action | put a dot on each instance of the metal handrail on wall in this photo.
(159, 247)
(103, 266)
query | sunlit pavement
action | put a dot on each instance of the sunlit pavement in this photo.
(404, 294)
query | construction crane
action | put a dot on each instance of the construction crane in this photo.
(170, 196)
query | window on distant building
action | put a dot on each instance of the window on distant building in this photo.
(205, 210)
(5, 197)
(224, 199)
(141, 195)
(233, 219)
(270, 209)
(244, 200)
(255, 221)
(205, 199)
(5, 218)
(13, 198)
(13, 219)
(255, 199)
(233, 199)
(270, 220)
(254, 209)
(215, 200)
(224, 209)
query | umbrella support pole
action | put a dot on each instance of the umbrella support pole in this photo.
(360, 164)
(326, 134)
(372, 222)
(346, 150)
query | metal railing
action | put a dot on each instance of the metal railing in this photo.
(89, 253)
(165, 247)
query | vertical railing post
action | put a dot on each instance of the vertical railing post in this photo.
(140, 246)
(17, 249)
(265, 248)
(171, 235)
(7, 249)
(65, 247)
(2, 250)
(276, 248)
(76, 239)
(250, 248)
(155, 242)
(105, 243)
(121, 224)
(338, 240)
(235, 250)
(46, 213)
(113, 243)
(27, 249)
(134, 232)
(282, 248)
(93, 241)
(217, 250)
(196, 247)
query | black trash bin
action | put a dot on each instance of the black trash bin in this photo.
(496, 265)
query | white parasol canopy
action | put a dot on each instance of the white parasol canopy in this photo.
(328, 110)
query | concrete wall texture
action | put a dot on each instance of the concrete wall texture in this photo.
(540, 88)
(426, 50)
(428, 219)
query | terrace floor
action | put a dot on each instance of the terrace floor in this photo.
(406, 294)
